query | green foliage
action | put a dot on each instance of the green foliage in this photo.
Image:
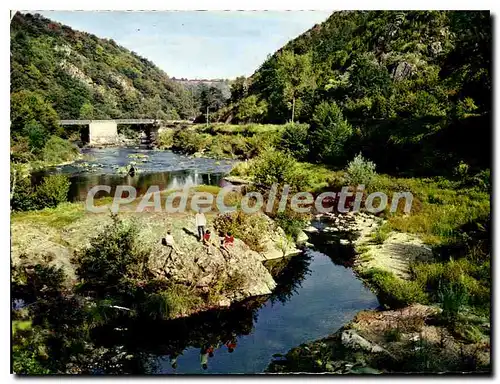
(295, 76)
(360, 171)
(170, 303)
(113, 257)
(37, 136)
(166, 139)
(381, 234)
(190, 141)
(250, 109)
(278, 167)
(28, 109)
(57, 151)
(53, 191)
(329, 133)
(291, 222)
(249, 228)
(453, 298)
(295, 140)
(393, 291)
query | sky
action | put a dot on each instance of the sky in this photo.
(197, 44)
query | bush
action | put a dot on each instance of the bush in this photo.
(58, 150)
(176, 300)
(53, 191)
(113, 257)
(291, 222)
(190, 141)
(453, 297)
(360, 171)
(249, 228)
(166, 138)
(294, 140)
(278, 167)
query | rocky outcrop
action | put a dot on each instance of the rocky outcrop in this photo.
(399, 341)
(236, 274)
(239, 269)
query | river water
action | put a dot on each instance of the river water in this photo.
(165, 169)
(317, 291)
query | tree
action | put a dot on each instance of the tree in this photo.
(250, 109)
(329, 133)
(28, 108)
(211, 99)
(87, 111)
(239, 89)
(296, 74)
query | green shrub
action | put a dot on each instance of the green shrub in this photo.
(291, 222)
(453, 297)
(393, 291)
(176, 300)
(113, 256)
(482, 180)
(249, 228)
(295, 140)
(58, 150)
(22, 195)
(165, 138)
(53, 191)
(278, 167)
(360, 171)
(381, 234)
(190, 141)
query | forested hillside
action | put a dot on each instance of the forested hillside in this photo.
(83, 76)
(410, 89)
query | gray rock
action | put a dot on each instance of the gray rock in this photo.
(301, 237)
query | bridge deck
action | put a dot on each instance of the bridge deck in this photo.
(122, 121)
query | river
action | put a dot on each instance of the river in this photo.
(165, 169)
(316, 294)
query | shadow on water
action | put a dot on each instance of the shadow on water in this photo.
(314, 297)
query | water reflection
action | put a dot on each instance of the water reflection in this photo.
(165, 169)
(313, 298)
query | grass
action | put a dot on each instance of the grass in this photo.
(58, 217)
(439, 208)
(381, 234)
(393, 291)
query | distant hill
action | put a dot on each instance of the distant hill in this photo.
(195, 84)
(84, 76)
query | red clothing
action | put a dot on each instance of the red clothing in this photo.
(206, 237)
(228, 240)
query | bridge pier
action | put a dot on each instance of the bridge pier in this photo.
(103, 132)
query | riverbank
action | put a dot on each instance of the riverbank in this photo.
(431, 273)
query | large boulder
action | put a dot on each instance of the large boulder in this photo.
(239, 269)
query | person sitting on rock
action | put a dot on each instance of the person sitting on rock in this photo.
(227, 242)
(170, 242)
(207, 241)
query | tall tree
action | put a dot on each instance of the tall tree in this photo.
(296, 75)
